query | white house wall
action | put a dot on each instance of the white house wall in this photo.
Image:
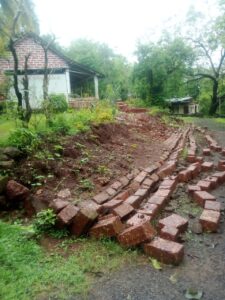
(58, 84)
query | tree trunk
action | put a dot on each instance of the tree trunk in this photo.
(28, 112)
(214, 101)
(15, 75)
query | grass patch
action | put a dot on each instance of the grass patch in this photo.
(70, 122)
(28, 272)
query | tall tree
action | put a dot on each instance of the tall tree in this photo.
(101, 57)
(161, 69)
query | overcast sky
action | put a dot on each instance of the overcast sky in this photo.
(119, 23)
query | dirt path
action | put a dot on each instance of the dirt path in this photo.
(203, 267)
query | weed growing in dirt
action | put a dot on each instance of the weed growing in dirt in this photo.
(86, 185)
(28, 272)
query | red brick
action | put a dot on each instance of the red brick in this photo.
(134, 186)
(108, 206)
(158, 200)
(107, 228)
(134, 201)
(58, 204)
(207, 166)
(151, 169)
(105, 217)
(202, 196)
(218, 148)
(155, 178)
(212, 205)
(111, 191)
(206, 151)
(101, 198)
(138, 219)
(223, 152)
(168, 184)
(176, 221)
(164, 193)
(116, 185)
(209, 220)
(165, 251)
(16, 191)
(199, 159)
(191, 158)
(83, 220)
(220, 176)
(205, 185)
(192, 188)
(136, 235)
(149, 209)
(141, 177)
(123, 195)
(141, 193)
(148, 183)
(169, 233)
(67, 214)
(167, 169)
(184, 176)
(195, 169)
(213, 180)
(124, 180)
(90, 204)
(123, 210)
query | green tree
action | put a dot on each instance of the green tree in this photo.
(162, 68)
(99, 56)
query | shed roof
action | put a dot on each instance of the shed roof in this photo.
(180, 100)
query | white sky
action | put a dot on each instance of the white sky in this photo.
(119, 23)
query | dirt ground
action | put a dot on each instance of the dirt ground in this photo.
(88, 162)
(203, 268)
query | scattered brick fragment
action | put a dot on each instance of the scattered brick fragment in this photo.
(58, 204)
(123, 210)
(201, 196)
(111, 191)
(109, 205)
(214, 181)
(138, 219)
(176, 221)
(205, 185)
(206, 151)
(67, 214)
(116, 185)
(207, 166)
(209, 220)
(169, 233)
(124, 180)
(83, 220)
(220, 176)
(136, 235)
(165, 251)
(108, 227)
(149, 209)
(212, 205)
(158, 200)
(101, 197)
(141, 193)
(141, 177)
(134, 201)
(184, 176)
(192, 188)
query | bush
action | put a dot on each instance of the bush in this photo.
(60, 125)
(58, 103)
(24, 139)
(45, 221)
(159, 111)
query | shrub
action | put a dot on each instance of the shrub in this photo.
(60, 125)
(24, 139)
(58, 103)
(45, 221)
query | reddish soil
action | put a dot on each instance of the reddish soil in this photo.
(86, 162)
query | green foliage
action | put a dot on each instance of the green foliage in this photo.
(137, 102)
(86, 185)
(161, 69)
(57, 103)
(44, 221)
(24, 139)
(60, 124)
(114, 67)
(158, 111)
